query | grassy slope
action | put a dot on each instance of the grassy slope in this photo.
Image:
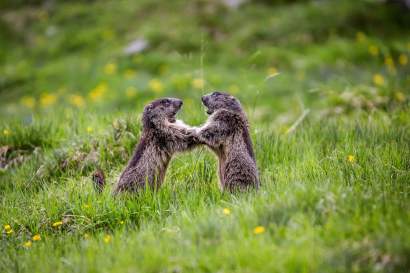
(320, 211)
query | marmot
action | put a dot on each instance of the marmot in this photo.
(161, 137)
(226, 133)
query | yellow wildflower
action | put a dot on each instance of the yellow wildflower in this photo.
(156, 85)
(6, 132)
(378, 79)
(57, 224)
(107, 238)
(272, 71)
(86, 236)
(130, 92)
(77, 101)
(28, 102)
(37, 237)
(284, 129)
(360, 37)
(122, 222)
(389, 62)
(373, 50)
(259, 230)
(129, 73)
(351, 158)
(87, 206)
(226, 211)
(110, 68)
(89, 129)
(400, 96)
(47, 99)
(28, 244)
(198, 83)
(8, 229)
(98, 92)
(403, 59)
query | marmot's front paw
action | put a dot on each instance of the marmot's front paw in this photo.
(193, 137)
(188, 131)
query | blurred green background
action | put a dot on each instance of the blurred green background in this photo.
(58, 54)
(326, 88)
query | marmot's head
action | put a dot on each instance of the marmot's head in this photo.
(161, 110)
(219, 100)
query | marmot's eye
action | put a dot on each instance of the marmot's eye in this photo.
(216, 93)
(167, 103)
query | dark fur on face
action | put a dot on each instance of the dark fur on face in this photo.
(161, 109)
(219, 100)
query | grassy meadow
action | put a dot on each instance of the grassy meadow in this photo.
(326, 88)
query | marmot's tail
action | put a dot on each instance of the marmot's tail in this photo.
(98, 178)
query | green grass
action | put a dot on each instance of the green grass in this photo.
(335, 187)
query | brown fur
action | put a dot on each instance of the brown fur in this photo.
(160, 139)
(226, 133)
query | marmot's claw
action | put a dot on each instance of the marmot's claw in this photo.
(188, 132)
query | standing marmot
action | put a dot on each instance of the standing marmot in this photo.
(226, 133)
(160, 139)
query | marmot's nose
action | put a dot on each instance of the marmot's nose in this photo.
(178, 103)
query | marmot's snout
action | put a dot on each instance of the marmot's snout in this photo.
(176, 106)
(177, 103)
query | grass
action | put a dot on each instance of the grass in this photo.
(335, 186)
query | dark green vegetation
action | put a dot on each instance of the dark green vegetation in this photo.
(331, 133)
